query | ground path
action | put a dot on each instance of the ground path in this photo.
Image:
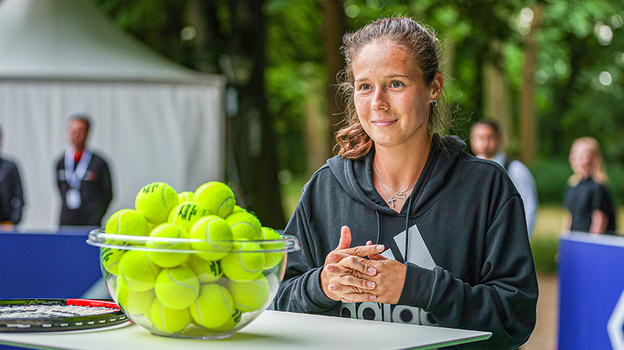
(545, 335)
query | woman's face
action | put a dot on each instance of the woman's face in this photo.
(581, 158)
(391, 99)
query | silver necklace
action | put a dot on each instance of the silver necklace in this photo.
(398, 194)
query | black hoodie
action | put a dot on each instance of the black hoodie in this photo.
(469, 264)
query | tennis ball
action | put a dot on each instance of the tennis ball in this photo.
(231, 322)
(169, 320)
(245, 225)
(155, 201)
(206, 270)
(168, 259)
(138, 271)
(216, 197)
(177, 288)
(272, 259)
(238, 209)
(250, 296)
(134, 303)
(185, 196)
(214, 306)
(186, 215)
(274, 282)
(217, 236)
(244, 263)
(127, 222)
(110, 259)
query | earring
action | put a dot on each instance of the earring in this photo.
(434, 103)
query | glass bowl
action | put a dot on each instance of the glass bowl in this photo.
(186, 288)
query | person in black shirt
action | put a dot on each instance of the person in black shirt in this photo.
(83, 178)
(587, 198)
(11, 193)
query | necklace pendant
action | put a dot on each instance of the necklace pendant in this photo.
(401, 195)
(391, 201)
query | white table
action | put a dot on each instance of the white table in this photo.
(272, 330)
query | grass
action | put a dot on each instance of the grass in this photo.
(544, 243)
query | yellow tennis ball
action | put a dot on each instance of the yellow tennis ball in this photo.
(251, 295)
(238, 209)
(216, 197)
(214, 306)
(187, 214)
(169, 320)
(110, 259)
(177, 288)
(138, 271)
(134, 303)
(216, 236)
(232, 322)
(185, 196)
(244, 263)
(245, 225)
(272, 258)
(168, 259)
(155, 201)
(127, 222)
(207, 271)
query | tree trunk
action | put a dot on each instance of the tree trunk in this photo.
(334, 27)
(528, 130)
(252, 139)
(496, 94)
(316, 126)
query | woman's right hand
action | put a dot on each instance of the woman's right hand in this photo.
(346, 275)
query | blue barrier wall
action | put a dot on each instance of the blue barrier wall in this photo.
(47, 265)
(591, 281)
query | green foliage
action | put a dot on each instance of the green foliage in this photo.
(544, 250)
(294, 67)
(571, 100)
(551, 178)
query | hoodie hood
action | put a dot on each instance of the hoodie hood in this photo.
(356, 175)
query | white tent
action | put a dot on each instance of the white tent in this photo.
(153, 120)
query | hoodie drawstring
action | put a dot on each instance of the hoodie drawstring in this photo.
(407, 217)
(378, 227)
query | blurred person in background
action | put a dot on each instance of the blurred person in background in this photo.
(11, 192)
(486, 142)
(83, 178)
(587, 198)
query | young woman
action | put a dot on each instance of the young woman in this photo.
(403, 225)
(587, 198)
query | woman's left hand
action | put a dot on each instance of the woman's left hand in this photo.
(389, 277)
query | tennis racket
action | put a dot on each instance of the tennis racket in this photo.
(53, 315)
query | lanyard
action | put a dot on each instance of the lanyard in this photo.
(75, 177)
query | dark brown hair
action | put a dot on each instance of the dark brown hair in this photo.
(421, 42)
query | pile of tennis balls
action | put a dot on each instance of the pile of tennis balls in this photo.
(228, 275)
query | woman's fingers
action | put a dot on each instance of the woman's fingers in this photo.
(345, 238)
(374, 256)
(345, 280)
(354, 263)
(360, 251)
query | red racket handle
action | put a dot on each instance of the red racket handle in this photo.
(93, 303)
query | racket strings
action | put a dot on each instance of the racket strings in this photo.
(51, 311)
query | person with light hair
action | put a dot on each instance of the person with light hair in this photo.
(587, 198)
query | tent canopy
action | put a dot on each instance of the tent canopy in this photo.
(74, 39)
(154, 120)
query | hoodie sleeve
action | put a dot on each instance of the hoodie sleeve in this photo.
(301, 289)
(503, 301)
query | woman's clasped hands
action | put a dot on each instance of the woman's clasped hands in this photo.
(349, 277)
